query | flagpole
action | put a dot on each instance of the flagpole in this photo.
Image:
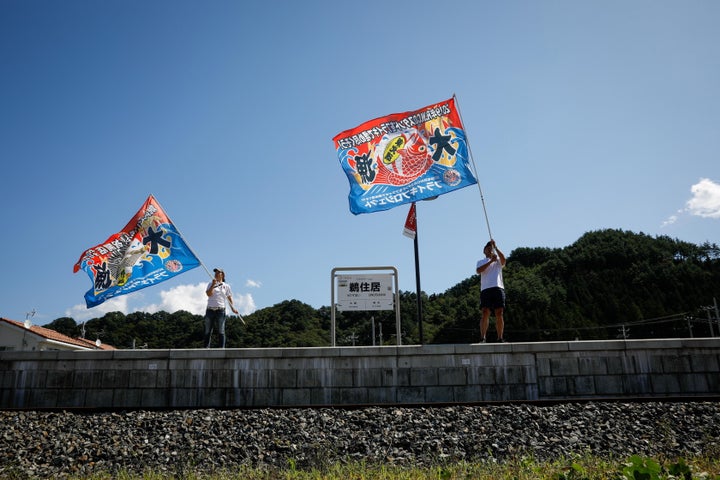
(472, 160)
(410, 230)
(417, 282)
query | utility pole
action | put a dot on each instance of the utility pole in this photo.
(710, 323)
(624, 332)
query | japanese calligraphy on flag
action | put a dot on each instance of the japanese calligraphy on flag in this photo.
(410, 229)
(147, 251)
(405, 157)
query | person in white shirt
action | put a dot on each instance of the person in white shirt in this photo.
(492, 289)
(217, 291)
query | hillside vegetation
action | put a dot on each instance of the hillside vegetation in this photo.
(608, 284)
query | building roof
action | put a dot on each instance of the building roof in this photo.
(57, 336)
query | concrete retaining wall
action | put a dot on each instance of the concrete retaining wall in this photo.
(290, 377)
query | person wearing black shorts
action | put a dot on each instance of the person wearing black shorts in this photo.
(492, 289)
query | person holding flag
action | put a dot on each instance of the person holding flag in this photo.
(416, 155)
(217, 291)
(492, 289)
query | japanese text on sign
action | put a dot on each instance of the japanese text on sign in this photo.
(365, 292)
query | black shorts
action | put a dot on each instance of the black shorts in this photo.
(492, 298)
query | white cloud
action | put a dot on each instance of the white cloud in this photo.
(706, 199)
(191, 298)
(672, 219)
(81, 313)
(244, 303)
(253, 283)
(705, 202)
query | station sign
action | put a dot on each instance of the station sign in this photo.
(365, 292)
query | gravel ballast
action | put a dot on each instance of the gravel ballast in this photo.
(55, 444)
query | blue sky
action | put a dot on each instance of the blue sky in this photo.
(580, 116)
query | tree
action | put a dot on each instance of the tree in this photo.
(66, 326)
(590, 289)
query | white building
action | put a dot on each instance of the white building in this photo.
(18, 336)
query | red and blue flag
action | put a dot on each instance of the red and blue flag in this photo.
(405, 157)
(149, 250)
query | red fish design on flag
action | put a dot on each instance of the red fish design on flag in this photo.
(401, 166)
(405, 157)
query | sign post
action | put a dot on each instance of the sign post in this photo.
(369, 291)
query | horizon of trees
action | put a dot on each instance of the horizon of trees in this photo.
(608, 284)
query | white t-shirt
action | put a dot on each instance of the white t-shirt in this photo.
(217, 299)
(492, 275)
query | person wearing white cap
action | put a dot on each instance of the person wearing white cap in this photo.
(217, 291)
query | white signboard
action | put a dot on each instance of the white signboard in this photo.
(365, 292)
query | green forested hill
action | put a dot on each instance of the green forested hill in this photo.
(607, 282)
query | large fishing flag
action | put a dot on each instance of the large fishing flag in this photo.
(405, 157)
(147, 251)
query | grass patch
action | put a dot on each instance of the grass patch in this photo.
(582, 468)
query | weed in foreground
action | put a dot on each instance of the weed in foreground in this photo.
(583, 468)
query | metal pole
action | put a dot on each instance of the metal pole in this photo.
(332, 308)
(710, 323)
(472, 161)
(417, 282)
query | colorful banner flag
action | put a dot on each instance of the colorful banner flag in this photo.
(410, 229)
(405, 157)
(147, 251)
